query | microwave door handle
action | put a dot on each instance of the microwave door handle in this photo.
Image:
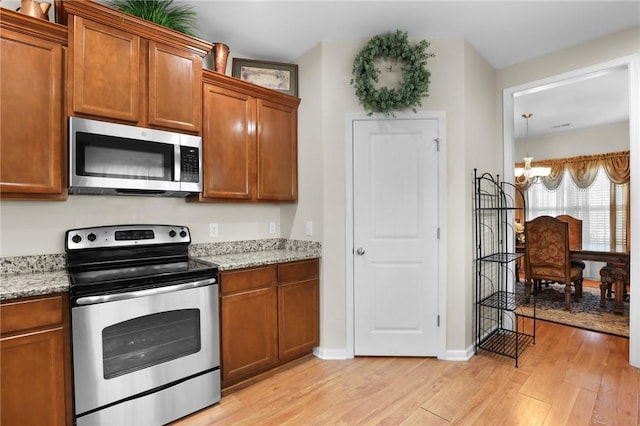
(177, 167)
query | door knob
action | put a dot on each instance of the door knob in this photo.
(360, 251)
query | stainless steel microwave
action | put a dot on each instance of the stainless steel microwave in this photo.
(116, 159)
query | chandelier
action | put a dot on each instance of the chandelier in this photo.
(529, 172)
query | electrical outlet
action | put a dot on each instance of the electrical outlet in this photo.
(213, 229)
(272, 227)
(309, 228)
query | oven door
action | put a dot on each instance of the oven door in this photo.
(142, 341)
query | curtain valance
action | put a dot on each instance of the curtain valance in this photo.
(583, 169)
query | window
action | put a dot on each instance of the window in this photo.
(602, 207)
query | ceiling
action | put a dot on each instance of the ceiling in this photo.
(503, 32)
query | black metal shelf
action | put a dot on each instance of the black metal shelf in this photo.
(496, 304)
(501, 257)
(504, 300)
(507, 343)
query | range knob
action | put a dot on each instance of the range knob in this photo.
(183, 233)
(172, 233)
(91, 237)
(76, 238)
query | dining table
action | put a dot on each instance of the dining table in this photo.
(617, 258)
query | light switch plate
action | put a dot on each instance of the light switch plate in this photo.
(309, 228)
(272, 227)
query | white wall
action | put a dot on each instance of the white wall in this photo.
(310, 198)
(37, 227)
(483, 154)
(589, 141)
(462, 85)
(572, 58)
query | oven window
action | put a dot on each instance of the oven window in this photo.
(149, 340)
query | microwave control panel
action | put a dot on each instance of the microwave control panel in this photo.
(189, 164)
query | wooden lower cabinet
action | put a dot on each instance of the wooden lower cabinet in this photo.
(298, 308)
(36, 366)
(269, 315)
(248, 323)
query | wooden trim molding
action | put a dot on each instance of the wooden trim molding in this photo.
(112, 17)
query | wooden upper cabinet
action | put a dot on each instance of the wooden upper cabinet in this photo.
(229, 146)
(250, 139)
(277, 156)
(175, 95)
(32, 142)
(129, 70)
(106, 71)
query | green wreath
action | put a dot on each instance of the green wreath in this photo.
(414, 86)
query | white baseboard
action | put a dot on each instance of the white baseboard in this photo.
(336, 354)
(458, 355)
(326, 353)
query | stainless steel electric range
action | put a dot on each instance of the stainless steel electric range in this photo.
(144, 325)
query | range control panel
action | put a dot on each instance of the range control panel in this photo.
(125, 235)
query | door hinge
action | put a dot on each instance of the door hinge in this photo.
(438, 232)
(437, 141)
(438, 320)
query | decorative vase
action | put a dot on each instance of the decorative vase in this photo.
(35, 9)
(220, 55)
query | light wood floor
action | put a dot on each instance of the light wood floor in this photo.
(570, 377)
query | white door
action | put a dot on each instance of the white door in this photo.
(395, 223)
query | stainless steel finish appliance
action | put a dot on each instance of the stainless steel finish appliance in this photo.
(115, 159)
(144, 325)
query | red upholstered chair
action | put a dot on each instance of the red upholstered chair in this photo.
(547, 256)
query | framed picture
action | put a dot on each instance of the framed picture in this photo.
(272, 75)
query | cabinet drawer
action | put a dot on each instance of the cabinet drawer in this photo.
(247, 279)
(298, 271)
(27, 314)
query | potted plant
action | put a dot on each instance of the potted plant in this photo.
(162, 12)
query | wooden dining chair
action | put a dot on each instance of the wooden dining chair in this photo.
(575, 236)
(547, 256)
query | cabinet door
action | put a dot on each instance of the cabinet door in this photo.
(248, 332)
(31, 134)
(298, 308)
(33, 379)
(277, 160)
(35, 361)
(105, 71)
(175, 82)
(229, 146)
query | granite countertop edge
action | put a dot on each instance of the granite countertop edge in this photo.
(15, 286)
(232, 261)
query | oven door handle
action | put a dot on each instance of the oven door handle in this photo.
(92, 300)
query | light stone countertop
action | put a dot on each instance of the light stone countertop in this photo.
(15, 285)
(231, 261)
